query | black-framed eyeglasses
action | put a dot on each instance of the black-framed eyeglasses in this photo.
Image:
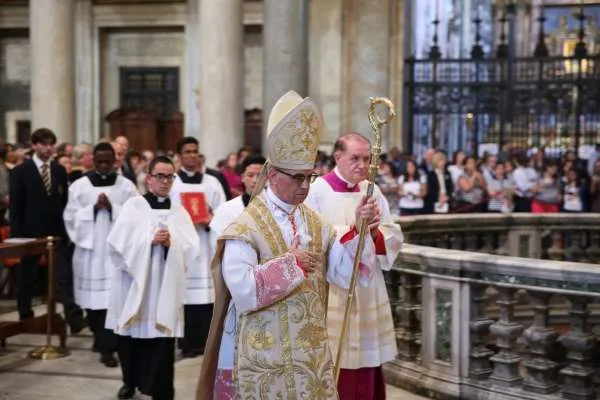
(163, 177)
(300, 178)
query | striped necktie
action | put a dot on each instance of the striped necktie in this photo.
(46, 177)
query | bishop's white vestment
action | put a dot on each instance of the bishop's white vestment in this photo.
(273, 337)
(226, 214)
(371, 340)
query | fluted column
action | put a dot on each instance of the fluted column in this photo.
(285, 33)
(52, 67)
(221, 89)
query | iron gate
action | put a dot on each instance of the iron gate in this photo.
(549, 102)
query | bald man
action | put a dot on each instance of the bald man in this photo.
(122, 163)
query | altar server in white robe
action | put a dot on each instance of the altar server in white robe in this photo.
(370, 340)
(271, 271)
(230, 210)
(151, 245)
(94, 204)
(199, 295)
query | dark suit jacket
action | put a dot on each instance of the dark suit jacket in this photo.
(433, 190)
(221, 179)
(34, 213)
(128, 171)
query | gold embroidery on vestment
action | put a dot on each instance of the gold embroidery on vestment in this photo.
(289, 357)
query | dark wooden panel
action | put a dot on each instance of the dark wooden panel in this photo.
(137, 1)
(13, 2)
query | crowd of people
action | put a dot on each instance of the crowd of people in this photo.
(433, 183)
(135, 253)
(529, 181)
(136, 250)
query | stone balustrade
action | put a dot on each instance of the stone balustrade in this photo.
(570, 237)
(480, 324)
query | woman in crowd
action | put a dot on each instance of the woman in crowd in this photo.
(412, 190)
(574, 200)
(499, 190)
(233, 178)
(525, 179)
(595, 188)
(64, 160)
(439, 186)
(388, 184)
(546, 193)
(458, 166)
(470, 195)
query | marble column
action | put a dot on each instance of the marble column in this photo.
(221, 89)
(285, 33)
(366, 60)
(52, 67)
(84, 73)
(325, 72)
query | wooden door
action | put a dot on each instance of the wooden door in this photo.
(171, 131)
(136, 124)
(253, 129)
(154, 93)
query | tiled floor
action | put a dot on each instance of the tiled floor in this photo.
(81, 377)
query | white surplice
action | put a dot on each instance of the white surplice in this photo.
(199, 285)
(148, 290)
(224, 216)
(92, 270)
(240, 259)
(371, 338)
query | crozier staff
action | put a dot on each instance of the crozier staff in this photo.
(272, 265)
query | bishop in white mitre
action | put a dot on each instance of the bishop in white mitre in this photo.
(95, 202)
(371, 340)
(199, 291)
(272, 268)
(152, 244)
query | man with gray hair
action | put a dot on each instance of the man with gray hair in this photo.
(371, 340)
(83, 160)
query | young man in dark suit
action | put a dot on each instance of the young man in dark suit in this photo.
(38, 196)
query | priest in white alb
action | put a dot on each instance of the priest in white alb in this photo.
(370, 339)
(95, 202)
(268, 338)
(151, 245)
(230, 210)
(199, 291)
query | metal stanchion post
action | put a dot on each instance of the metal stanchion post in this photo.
(49, 352)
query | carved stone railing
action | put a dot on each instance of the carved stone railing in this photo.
(570, 237)
(471, 325)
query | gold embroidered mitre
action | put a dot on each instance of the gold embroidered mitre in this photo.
(294, 132)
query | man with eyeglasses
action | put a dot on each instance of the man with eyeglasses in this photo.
(370, 341)
(95, 201)
(271, 269)
(199, 292)
(152, 244)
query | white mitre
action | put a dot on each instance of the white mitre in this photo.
(294, 132)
